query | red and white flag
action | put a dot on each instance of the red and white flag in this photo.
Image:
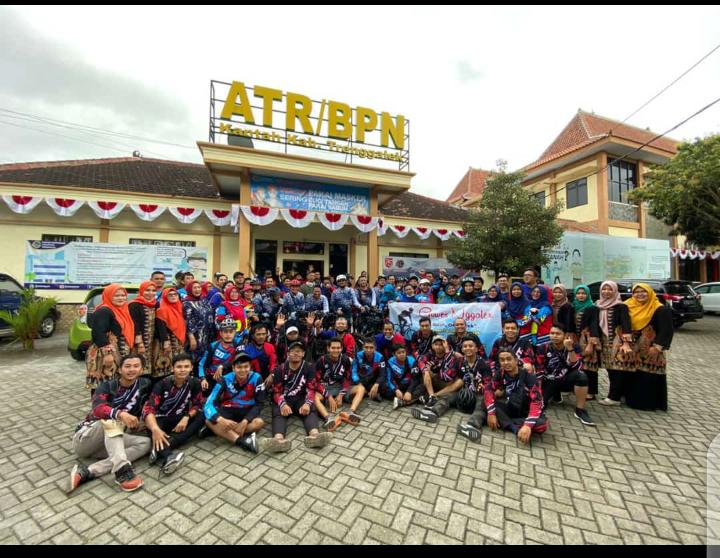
(401, 231)
(259, 215)
(382, 227)
(148, 212)
(106, 209)
(186, 215)
(22, 204)
(459, 233)
(219, 217)
(333, 221)
(298, 218)
(64, 207)
(423, 232)
(443, 234)
(364, 223)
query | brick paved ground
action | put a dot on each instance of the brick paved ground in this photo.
(638, 478)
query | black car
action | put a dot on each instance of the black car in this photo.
(10, 299)
(678, 295)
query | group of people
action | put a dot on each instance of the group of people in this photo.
(198, 359)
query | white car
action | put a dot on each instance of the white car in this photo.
(710, 293)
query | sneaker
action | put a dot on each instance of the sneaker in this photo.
(329, 422)
(335, 423)
(610, 402)
(126, 478)
(248, 442)
(470, 432)
(172, 462)
(424, 414)
(397, 403)
(351, 418)
(152, 459)
(273, 445)
(319, 441)
(80, 474)
(205, 432)
(558, 399)
(584, 417)
(431, 401)
(423, 399)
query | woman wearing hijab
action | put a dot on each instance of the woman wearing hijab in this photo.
(113, 336)
(539, 312)
(614, 337)
(517, 305)
(142, 312)
(495, 295)
(171, 332)
(232, 307)
(468, 294)
(652, 332)
(563, 310)
(200, 319)
(586, 326)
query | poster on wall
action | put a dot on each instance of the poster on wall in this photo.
(483, 319)
(403, 267)
(86, 265)
(283, 193)
(587, 258)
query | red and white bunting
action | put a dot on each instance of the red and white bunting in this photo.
(422, 232)
(400, 231)
(259, 215)
(715, 255)
(235, 216)
(106, 209)
(364, 223)
(333, 221)
(148, 212)
(186, 215)
(22, 204)
(64, 207)
(459, 234)
(219, 217)
(297, 218)
(443, 234)
(382, 227)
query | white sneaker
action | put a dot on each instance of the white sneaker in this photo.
(396, 403)
(610, 402)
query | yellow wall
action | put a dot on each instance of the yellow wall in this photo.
(619, 231)
(229, 254)
(583, 213)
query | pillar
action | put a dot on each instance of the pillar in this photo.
(244, 233)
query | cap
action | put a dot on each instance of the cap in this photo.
(272, 291)
(424, 282)
(291, 329)
(341, 278)
(295, 283)
(247, 288)
(413, 277)
(242, 356)
(228, 323)
(468, 280)
(438, 338)
(294, 344)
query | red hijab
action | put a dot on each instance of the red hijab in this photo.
(203, 293)
(122, 313)
(235, 308)
(172, 315)
(140, 299)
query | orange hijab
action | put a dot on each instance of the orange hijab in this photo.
(122, 313)
(641, 314)
(140, 299)
(172, 315)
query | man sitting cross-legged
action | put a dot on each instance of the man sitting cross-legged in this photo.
(334, 376)
(441, 372)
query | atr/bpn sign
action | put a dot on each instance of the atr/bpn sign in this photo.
(288, 118)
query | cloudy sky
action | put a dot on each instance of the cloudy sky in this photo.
(478, 84)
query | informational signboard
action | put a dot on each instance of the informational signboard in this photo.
(85, 265)
(403, 267)
(586, 258)
(483, 319)
(309, 196)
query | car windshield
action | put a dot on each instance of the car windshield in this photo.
(7, 287)
(679, 289)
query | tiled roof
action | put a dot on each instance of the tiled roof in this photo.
(173, 178)
(586, 129)
(471, 185)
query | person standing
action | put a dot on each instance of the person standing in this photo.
(142, 310)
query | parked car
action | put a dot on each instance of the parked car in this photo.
(80, 337)
(679, 295)
(710, 293)
(10, 299)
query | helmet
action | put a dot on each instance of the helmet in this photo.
(228, 323)
(466, 400)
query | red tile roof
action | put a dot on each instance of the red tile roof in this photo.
(586, 129)
(471, 185)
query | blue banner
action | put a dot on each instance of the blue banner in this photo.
(282, 193)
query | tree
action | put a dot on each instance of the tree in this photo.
(508, 231)
(685, 192)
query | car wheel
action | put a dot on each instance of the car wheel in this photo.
(47, 327)
(77, 354)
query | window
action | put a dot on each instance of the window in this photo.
(8, 286)
(714, 289)
(540, 198)
(621, 180)
(317, 248)
(407, 255)
(151, 242)
(66, 238)
(576, 193)
(705, 289)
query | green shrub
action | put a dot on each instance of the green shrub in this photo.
(26, 323)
